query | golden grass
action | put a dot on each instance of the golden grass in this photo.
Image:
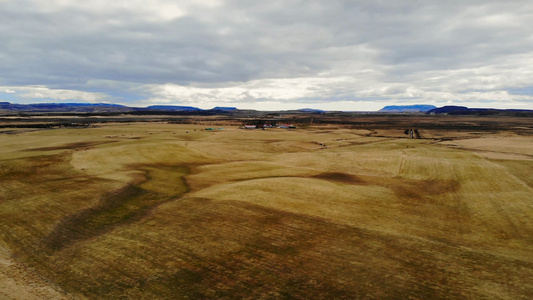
(18, 282)
(512, 144)
(153, 210)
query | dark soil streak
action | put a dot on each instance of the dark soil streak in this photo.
(115, 209)
(118, 208)
(403, 188)
(340, 177)
(70, 146)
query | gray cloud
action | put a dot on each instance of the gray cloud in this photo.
(280, 52)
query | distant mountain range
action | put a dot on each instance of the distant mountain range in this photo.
(64, 107)
(90, 108)
(99, 108)
(311, 110)
(453, 110)
(172, 108)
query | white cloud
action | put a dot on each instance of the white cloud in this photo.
(256, 90)
(153, 10)
(269, 52)
(42, 92)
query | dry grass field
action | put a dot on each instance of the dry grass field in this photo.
(166, 211)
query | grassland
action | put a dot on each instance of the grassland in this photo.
(156, 210)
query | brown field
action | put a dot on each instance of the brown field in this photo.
(152, 210)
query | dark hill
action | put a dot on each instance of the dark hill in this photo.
(463, 110)
(223, 108)
(448, 109)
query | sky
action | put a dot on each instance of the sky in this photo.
(268, 55)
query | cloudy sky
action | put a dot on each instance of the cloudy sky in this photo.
(275, 54)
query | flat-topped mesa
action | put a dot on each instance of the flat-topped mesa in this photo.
(407, 108)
